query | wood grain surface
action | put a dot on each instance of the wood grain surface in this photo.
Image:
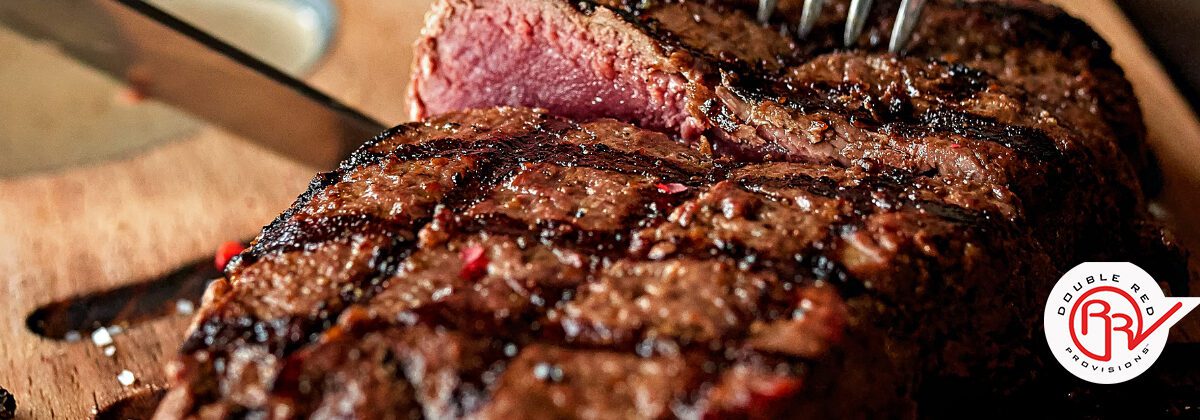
(97, 227)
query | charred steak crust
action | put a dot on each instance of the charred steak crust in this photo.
(758, 288)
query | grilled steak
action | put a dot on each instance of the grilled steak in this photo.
(713, 221)
(1038, 116)
(502, 262)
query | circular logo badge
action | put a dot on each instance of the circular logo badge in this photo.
(1107, 322)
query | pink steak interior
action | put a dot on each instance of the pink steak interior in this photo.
(541, 54)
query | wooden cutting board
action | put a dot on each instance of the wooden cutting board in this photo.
(94, 228)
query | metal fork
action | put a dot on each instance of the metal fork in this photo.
(906, 19)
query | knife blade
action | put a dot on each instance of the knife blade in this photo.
(170, 60)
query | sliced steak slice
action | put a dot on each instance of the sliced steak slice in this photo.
(592, 60)
(856, 109)
(658, 63)
(1043, 135)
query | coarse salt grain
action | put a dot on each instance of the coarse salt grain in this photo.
(110, 351)
(184, 307)
(126, 378)
(72, 336)
(101, 337)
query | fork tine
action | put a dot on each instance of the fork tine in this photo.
(906, 20)
(808, 16)
(765, 9)
(855, 20)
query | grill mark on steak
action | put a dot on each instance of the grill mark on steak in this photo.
(600, 156)
(295, 235)
(602, 244)
(283, 335)
(1028, 140)
(279, 226)
(606, 243)
(817, 262)
(898, 119)
(536, 149)
(954, 82)
(640, 15)
(811, 264)
(872, 192)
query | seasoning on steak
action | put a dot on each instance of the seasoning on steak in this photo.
(760, 288)
(1038, 116)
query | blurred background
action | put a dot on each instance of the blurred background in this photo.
(59, 112)
(1171, 29)
(101, 183)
